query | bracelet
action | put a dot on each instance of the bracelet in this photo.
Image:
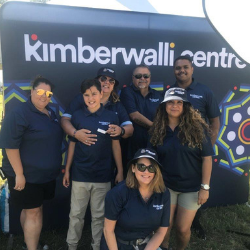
(122, 132)
(74, 134)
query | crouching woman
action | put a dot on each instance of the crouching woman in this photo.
(137, 211)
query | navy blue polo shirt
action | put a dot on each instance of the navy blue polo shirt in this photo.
(203, 99)
(136, 218)
(134, 101)
(93, 163)
(39, 139)
(182, 165)
(117, 107)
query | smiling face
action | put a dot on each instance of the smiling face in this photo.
(174, 108)
(92, 98)
(143, 178)
(183, 71)
(141, 83)
(107, 84)
(40, 101)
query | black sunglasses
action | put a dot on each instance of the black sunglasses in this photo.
(104, 79)
(139, 76)
(142, 168)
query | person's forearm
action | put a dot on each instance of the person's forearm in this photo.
(67, 126)
(129, 129)
(110, 239)
(140, 119)
(206, 169)
(116, 148)
(157, 239)
(71, 151)
(15, 160)
(214, 126)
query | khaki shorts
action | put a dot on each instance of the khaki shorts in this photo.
(186, 200)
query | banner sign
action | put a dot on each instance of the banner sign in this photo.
(69, 44)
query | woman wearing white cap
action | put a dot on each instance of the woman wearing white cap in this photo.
(180, 137)
(137, 211)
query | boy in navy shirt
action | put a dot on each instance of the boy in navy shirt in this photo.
(91, 166)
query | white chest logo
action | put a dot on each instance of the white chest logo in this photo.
(158, 207)
(196, 96)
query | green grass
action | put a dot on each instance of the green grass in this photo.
(216, 222)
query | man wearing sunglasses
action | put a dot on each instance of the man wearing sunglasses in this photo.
(141, 103)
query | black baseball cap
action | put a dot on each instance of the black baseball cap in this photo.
(107, 71)
(176, 94)
(145, 153)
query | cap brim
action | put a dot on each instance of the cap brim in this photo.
(169, 98)
(143, 156)
(116, 81)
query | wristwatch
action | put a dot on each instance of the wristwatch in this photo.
(122, 132)
(74, 133)
(205, 186)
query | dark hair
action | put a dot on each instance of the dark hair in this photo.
(142, 66)
(183, 58)
(191, 127)
(38, 80)
(88, 83)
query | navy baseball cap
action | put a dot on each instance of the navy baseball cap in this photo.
(107, 71)
(176, 94)
(145, 153)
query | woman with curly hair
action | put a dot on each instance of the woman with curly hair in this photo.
(180, 137)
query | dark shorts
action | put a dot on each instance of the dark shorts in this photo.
(33, 195)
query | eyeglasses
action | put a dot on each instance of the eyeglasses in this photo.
(142, 168)
(40, 92)
(139, 76)
(104, 79)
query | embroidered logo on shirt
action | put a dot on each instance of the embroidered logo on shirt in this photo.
(196, 96)
(104, 123)
(154, 100)
(158, 207)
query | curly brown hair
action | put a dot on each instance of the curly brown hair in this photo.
(191, 126)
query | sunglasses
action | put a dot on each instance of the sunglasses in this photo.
(139, 76)
(142, 168)
(104, 79)
(40, 92)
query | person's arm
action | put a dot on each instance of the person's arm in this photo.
(116, 148)
(157, 239)
(15, 161)
(206, 175)
(129, 130)
(82, 135)
(140, 119)
(71, 150)
(109, 233)
(214, 126)
(115, 130)
(128, 100)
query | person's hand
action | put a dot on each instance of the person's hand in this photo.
(66, 181)
(20, 182)
(203, 196)
(119, 177)
(84, 136)
(114, 130)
